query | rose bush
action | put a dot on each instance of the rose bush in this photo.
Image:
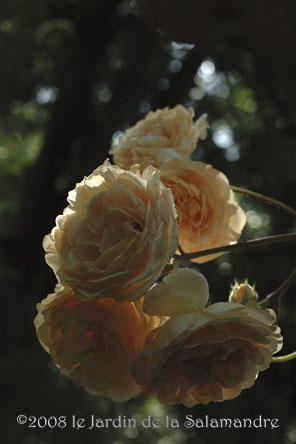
(208, 214)
(164, 128)
(207, 354)
(113, 325)
(116, 235)
(94, 342)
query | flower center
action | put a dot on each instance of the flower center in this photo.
(137, 227)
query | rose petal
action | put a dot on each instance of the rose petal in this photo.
(182, 291)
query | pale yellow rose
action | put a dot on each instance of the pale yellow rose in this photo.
(116, 236)
(208, 214)
(207, 355)
(95, 342)
(165, 128)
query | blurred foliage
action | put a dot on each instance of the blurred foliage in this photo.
(74, 74)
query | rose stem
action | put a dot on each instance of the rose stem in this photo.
(273, 298)
(266, 199)
(246, 244)
(284, 358)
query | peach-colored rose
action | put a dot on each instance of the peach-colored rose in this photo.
(210, 354)
(116, 235)
(208, 214)
(164, 128)
(94, 342)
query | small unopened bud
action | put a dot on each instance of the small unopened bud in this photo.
(243, 293)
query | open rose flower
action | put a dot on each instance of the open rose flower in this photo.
(164, 128)
(116, 235)
(95, 342)
(208, 214)
(203, 354)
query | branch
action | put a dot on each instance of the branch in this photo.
(268, 200)
(246, 244)
(273, 298)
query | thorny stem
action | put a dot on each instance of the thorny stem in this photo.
(284, 358)
(246, 244)
(268, 200)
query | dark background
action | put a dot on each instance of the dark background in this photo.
(72, 74)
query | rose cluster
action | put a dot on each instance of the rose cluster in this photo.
(124, 321)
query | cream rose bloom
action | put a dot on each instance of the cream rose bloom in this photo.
(116, 236)
(203, 355)
(95, 342)
(208, 214)
(164, 128)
